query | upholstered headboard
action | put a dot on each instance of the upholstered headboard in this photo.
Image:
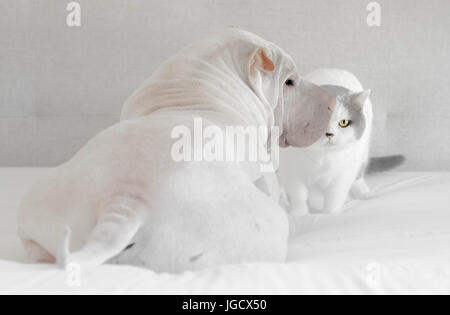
(60, 85)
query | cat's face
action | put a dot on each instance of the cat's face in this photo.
(348, 121)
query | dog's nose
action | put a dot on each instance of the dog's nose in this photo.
(329, 135)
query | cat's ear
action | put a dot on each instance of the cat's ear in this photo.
(359, 99)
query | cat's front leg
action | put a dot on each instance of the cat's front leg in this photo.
(298, 200)
(298, 207)
(336, 195)
(360, 190)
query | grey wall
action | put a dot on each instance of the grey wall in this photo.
(59, 85)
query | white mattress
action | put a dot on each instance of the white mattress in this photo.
(396, 243)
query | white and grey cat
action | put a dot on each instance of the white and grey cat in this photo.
(321, 177)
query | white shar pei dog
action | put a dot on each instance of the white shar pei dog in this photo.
(124, 199)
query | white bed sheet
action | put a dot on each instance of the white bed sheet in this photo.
(395, 243)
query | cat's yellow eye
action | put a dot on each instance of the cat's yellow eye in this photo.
(344, 123)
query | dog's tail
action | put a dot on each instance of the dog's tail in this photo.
(111, 235)
(384, 164)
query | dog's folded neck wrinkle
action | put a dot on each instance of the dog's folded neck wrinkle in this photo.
(249, 109)
(212, 66)
(129, 247)
(233, 77)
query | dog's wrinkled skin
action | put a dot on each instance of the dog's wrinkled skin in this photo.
(126, 201)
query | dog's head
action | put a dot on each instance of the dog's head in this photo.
(302, 110)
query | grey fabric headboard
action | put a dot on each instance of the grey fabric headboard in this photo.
(60, 85)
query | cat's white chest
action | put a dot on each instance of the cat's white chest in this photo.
(329, 166)
(324, 167)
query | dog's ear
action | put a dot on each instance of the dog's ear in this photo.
(260, 62)
(261, 69)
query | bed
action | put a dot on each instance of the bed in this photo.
(395, 243)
